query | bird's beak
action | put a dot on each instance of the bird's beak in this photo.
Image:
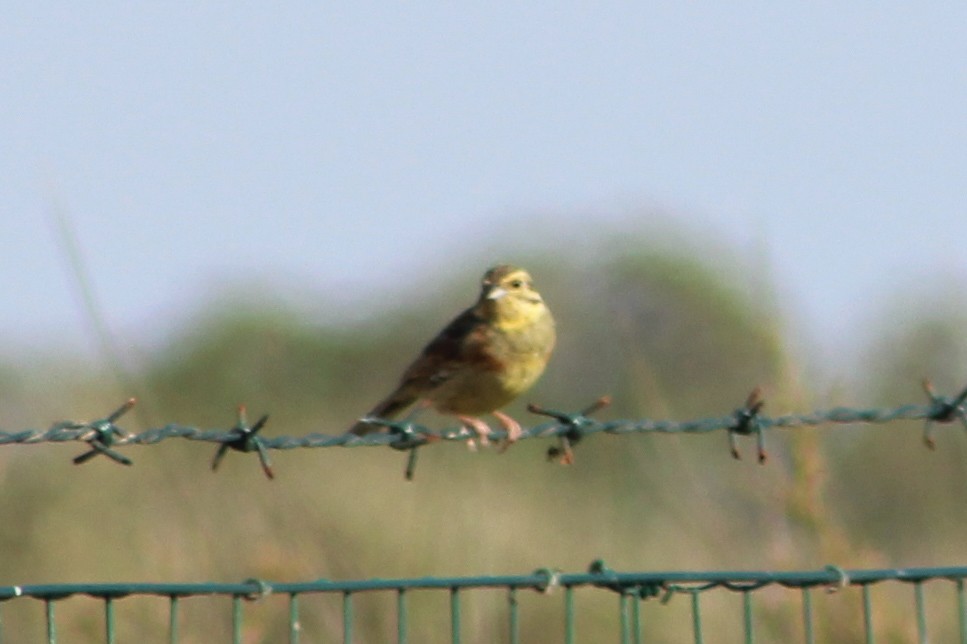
(496, 293)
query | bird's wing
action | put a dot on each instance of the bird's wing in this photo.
(463, 340)
(462, 343)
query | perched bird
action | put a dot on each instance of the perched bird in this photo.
(487, 356)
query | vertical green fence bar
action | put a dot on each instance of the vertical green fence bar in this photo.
(513, 615)
(237, 619)
(868, 615)
(568, 615)
(962, 611)
(636, 618)
(51, 627)
(807, 616)
(401, 616)
(172, 619)
(629, 588)
(455, 615)
(295, 626)
(347, 618)
(697, 618)
(747, 616)
(109, 620)
(623, 613)
(921, 612)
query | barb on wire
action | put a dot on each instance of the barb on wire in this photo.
(575, 423)
(747, 422)
(406, 438)
(246, 439)
(103, 436)
(943, 410)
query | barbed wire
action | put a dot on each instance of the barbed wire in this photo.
(104, 436)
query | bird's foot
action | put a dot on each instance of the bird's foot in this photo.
(481, 428)
(514, 430)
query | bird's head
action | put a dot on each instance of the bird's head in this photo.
(508, 297)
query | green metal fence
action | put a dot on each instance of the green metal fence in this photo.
(636, 593)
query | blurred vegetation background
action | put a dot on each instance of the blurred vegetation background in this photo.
(669, 326)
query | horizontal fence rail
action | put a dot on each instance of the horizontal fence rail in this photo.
(104, 436)
(631, 588)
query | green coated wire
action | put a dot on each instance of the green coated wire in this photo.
(513, 610)
(109, 620)
(295, 626)
(237, 619)
(173, 605)
(636, 619)
(921, 612)
(671, 581)
(66, 431)
(569, 615)
(962, 610)
(807, 616)
(455, 615)
(631, 588)
(747, 615)
(401, 617)
(347, 618)
(51, 626)
(868, 615)
(625, 617)
(697, 617)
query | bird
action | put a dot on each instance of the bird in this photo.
(482, 360)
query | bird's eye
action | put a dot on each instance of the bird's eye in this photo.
(516, 284)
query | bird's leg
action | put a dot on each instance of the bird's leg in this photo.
(514, 430)
(481, 428)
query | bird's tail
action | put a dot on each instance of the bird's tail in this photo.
(388, 408)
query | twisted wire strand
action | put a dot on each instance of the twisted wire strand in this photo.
(67, 431)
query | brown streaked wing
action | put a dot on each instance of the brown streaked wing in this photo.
(446, 351)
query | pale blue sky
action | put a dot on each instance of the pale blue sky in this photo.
(324, 146)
